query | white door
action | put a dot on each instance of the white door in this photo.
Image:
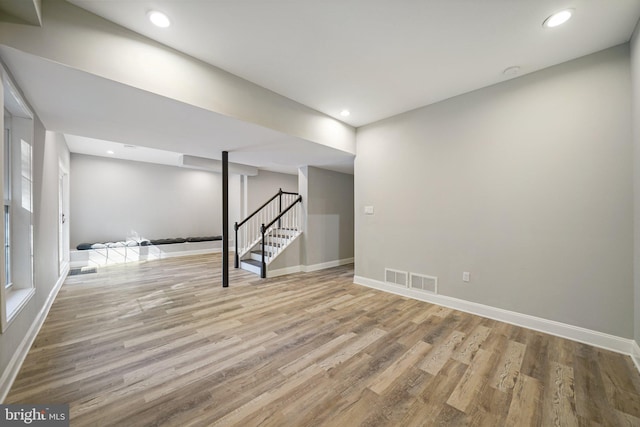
(63, 218)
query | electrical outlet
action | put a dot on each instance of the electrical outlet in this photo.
(466, 276)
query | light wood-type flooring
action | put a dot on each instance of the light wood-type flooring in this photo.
(162, 343)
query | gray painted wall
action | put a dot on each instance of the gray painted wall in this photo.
(327, 200)
(113, 199)
(527, 185)
(635, 103)
(264, 185)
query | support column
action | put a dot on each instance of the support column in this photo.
(225, 219)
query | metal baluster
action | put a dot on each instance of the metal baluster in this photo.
(236, 260)
(263, 267)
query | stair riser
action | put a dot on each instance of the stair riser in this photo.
(256, 257)
(270, 251)
(251, 268)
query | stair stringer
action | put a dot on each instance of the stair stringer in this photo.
(288, 258)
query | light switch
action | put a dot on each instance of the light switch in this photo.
(368, 210)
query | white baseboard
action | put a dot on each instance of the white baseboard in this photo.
(330, 264)
(635, 354)
(283, 271)
(15, 363)
(563, 330)
(308, 268)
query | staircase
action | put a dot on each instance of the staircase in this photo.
(267, 232)
(275, 241)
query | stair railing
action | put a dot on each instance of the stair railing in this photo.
(290, 217)
(247, 231)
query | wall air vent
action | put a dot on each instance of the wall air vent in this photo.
(395, 277)
(420, 282)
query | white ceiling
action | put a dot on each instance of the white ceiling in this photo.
(377, 58)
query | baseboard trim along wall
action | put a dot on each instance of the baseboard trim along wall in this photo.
(308, 268)
(635, 354)
(11, 372)
(284, 271)
(563, 330)
(329, 264)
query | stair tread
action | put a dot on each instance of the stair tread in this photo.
(252, 262)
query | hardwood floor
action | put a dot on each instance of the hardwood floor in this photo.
(161, 343)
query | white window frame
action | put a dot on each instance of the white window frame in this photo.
(16, 293)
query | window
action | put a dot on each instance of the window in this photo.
(25, 151)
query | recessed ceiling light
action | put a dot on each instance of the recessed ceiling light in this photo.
(511, 71)
(345, 113)
(159, 19)
(558, 18)
(111, 152)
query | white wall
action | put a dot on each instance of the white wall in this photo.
(527, 185)
(50, 150)
(635, 102)
(54, 139)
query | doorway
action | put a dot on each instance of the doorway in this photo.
(63, 218)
